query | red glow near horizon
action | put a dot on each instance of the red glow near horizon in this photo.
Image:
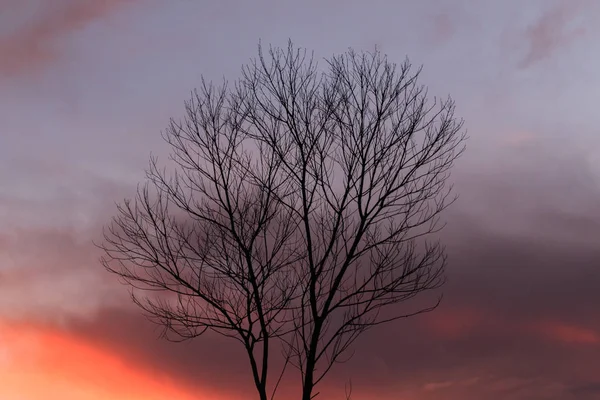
(42, 363)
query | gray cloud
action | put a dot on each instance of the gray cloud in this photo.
(552, 31)
(586, 390)
(519, 318)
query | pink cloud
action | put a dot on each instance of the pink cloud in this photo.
(462, 322)
(454, 323)
(568, 334)
(444, 27)
(433, 386)
(32, 45)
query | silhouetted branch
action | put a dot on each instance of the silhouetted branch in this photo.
(298, 210)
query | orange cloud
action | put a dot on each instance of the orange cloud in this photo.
(42, 363)
(32, 45)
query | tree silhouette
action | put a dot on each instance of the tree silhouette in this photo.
(298, 210)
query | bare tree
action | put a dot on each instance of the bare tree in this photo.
(299, 210)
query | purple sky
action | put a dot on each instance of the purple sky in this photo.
(87, 86)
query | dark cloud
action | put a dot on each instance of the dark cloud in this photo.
(586, 390)
(519, 318)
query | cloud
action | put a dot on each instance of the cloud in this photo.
(446, 22)
(591, 389)
(496, 320)
(52, 274)
(444, 28)
(463, 322)
(519, 311)
(34, 43)
(49, 267)
(455, 323)
(569, 334)
(552, 31)
(520, 305)
(433, 386)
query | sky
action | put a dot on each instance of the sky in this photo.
(87, 86)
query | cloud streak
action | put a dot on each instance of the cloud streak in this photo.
(35, 43)
(552, 31)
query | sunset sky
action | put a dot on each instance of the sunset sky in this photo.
(86, 86)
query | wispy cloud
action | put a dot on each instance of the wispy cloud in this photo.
(569, 334)
(552, 31)
(33, 44)
(433, 386)
(444, 27)
(458, 323)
